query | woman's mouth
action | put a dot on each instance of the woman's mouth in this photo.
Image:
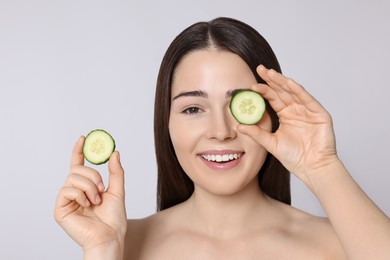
(221, 157)
(221, 161)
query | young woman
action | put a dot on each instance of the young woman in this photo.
(223, 188)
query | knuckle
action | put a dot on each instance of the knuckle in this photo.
(86, 172)
(57, 216)
(71, 179)
(94, 176)
(78, 193)
(290, 81)
(90, 188)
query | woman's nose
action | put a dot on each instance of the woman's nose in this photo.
(222, 126)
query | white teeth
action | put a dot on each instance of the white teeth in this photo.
(221, 158)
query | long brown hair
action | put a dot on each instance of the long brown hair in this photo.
(173, 184)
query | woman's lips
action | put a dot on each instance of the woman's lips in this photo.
(221, 160)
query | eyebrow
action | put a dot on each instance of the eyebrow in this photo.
(232, 92)
(200, 93)
(195, 93)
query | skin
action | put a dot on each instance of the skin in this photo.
(228, 217)
(93, 216)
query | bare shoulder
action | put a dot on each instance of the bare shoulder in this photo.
(137, 232)
(309, 231)
(142, 233)
(281, 233)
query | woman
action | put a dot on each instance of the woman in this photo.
(237, 208)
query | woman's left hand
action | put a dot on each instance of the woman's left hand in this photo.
(304, 142)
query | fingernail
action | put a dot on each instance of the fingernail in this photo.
(119, 157)
(101, 186)
(98, 199)
(80, 140)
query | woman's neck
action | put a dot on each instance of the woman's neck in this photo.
(225, 216)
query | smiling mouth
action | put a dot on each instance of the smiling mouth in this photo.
(221, 158)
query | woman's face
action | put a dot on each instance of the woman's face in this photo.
(214, 155)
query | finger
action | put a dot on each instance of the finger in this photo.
(268, 75)
(288, 89)
(86, 185)
(303, 96)
(259, 135)
(285, 84)
(116, 179)
(270, 95)
(278, 86)
(69, 194)
(271, 75)
(262, 72)
(77, 153)
(88, 173)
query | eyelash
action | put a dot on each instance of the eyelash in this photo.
(191, 111)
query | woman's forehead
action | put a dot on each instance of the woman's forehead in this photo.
(208, 70)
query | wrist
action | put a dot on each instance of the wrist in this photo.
(317, 178)
(110, 251)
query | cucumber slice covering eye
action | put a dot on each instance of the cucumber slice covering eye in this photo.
(98, 146)
(247, 107)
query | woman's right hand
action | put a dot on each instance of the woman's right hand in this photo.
(93, 216)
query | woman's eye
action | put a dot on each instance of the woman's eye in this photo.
(192, 110)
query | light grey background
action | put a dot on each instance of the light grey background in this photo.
(67, 67)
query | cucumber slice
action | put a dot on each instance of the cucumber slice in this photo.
(98, 146)
(247, 107)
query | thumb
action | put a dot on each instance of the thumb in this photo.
(259, 135)
(116, 179)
